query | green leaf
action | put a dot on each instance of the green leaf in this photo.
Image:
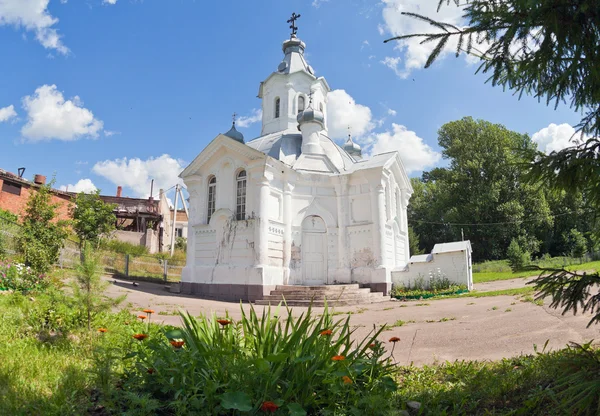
(304, 359)
(174, 334)
(296, 410)
(237, 400)
(262, 365)
(277, 358)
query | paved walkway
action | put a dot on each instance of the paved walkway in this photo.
(487, 328)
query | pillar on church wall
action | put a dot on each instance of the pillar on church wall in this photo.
(378, 212)
(403, 206)
(261, 244)
(287, 231)
(343, 218)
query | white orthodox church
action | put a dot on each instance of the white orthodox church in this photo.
(292, 207)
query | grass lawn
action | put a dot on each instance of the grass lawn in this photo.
(499, 270)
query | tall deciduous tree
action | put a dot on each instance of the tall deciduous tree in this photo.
(481, 191)
(42, 235)
(92, 218)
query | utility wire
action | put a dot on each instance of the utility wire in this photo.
(493, 223)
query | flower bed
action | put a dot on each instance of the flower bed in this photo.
(426, 294)
(20, 278)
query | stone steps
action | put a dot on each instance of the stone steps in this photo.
(318, 296)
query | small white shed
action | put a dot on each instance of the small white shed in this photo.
(453, 260)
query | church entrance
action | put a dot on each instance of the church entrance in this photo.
(314, 251)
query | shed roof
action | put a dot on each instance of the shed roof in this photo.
(452, 247)
(421, 258)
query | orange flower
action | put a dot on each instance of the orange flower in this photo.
(151, 371)
(140, 337)
(347, 380)
(177, 343)
(103, 330)
(373, 345)
(394, 339)
(269, 407)
(326, 332)
(225, 322)
(338, 358)
(148, 311)
(142, 317)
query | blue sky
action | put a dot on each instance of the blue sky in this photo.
(118, 94)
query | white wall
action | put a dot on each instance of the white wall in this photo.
(456, 266)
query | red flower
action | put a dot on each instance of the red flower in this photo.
(372, 346)
(347, 380)
(326, 332)
(338, 358)
(177, 343)
(148, 311)
(103, 330)
(140, 337)
(142, 317)
(394, 339)
(224, 322)
(269, 407)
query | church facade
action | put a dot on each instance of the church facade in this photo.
(292, 207)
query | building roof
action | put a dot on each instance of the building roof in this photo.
(234, 134)
(131, 207)
(421, 258)
(18, 179)
(451, 247)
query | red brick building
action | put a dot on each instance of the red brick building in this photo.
(15, 191)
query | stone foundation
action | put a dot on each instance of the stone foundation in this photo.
(384, 288)
(227, 292)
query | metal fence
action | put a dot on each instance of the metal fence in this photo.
(144, 267)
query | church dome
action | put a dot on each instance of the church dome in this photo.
(353, 149)
(311, 115)
(234, 134)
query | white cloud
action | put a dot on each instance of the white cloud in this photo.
(109, 133)
(554, 137)
(83, 185)
(7, 113)
(136, 174)
(392, 112)
(317, 3)
(415, 154)
(344, 112)
(50, 116)
(33, 15)
(109, 1)
(254, 117)
(413, 54)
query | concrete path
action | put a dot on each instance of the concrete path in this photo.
(486, 328)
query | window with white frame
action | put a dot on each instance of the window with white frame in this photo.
(212, 197)
(277, 105)
(240, 211)
(301, 104)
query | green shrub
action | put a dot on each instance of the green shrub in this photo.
(517, 257)
(181, 244)
(224, 367)
(123, 247)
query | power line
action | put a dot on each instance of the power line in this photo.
(493, 223)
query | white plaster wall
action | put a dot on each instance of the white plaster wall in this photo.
(454, 265)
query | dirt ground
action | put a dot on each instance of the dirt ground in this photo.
(486, 328)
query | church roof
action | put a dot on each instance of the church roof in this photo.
(234, 134)
(287, 147)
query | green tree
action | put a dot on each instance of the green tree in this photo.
(413, 241)
(42, 234)
(517, 257)
(548, 49)
(576, 243)
(92, 218)
(88, 287)
(480, 193)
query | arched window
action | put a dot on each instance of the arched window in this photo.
(277, 105)
(212, 197)
(240, 209)
(301, 104)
